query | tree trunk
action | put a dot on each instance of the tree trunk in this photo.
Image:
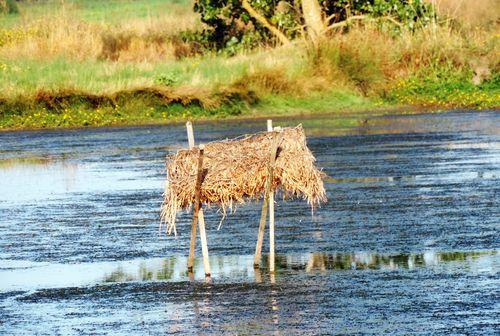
(311, 12)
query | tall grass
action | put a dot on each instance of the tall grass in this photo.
(63, 31)
(477, 13)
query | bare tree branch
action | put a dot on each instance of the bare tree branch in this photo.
(263, 21)
(345, 22)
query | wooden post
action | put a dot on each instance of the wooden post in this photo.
(196, 210)
(190, 134)
(262, 224)
(192, 245)
(271, 216)
(203, 235)
(198, 216)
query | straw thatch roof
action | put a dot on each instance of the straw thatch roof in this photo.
(235, 171)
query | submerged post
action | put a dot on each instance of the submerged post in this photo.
(265, 204)
(197, 211)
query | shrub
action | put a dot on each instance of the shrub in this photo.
(168, 79)
(113, 44)
(8, 7)
(230, 24)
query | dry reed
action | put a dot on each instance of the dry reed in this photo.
(62, 33)
(235, 171)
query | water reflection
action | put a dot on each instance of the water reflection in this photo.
(145, 273)
(240, 266)
(226, 268)
(384, 123)
(363, 260)
(27, 179)
(13, 162)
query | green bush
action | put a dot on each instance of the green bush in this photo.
(231, 26)
(8, 7)
(410, 13)
(169, 79)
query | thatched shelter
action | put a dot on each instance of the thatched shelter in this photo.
(235, 171)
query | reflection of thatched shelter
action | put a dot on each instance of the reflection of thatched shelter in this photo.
(236, 170)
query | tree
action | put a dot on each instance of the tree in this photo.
(257, 21)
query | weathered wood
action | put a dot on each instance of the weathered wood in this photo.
(196, 210)
(192, 244)
(204, 245)
(271, 216)
(190, 134)
(198, 216)
(269, 125)
(258, 275)
(265, 204)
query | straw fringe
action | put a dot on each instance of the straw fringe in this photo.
(236, 171)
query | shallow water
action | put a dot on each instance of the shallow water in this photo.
(408, 243)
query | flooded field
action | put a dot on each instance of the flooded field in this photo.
(407, 244)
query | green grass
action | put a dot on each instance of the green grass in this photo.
(336, 100)
(108, 11)
(25, 76)
(350, 73)
(139, 110)
(447, 93)
(132, 113)
(22, 79)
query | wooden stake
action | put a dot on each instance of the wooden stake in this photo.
(271, 216)
(196, 210)
(204, 245)
(192, 245)
(190, 134)
(269, 125)
(263, 215)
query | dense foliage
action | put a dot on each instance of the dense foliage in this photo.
(8, 7)
(231, 25)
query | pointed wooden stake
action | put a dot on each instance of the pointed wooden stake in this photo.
(204, 245)
(263, 215)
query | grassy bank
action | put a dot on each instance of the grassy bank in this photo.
(92, 63)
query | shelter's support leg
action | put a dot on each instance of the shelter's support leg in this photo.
(262, 225)
(260, 237)
(190, 134)
(196, 210)
(192, 245)
(204, 246)
(271, 216)
(271, 232)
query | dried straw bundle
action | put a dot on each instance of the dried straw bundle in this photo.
(236, 170)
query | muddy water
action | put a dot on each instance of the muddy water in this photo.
(408, 243)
